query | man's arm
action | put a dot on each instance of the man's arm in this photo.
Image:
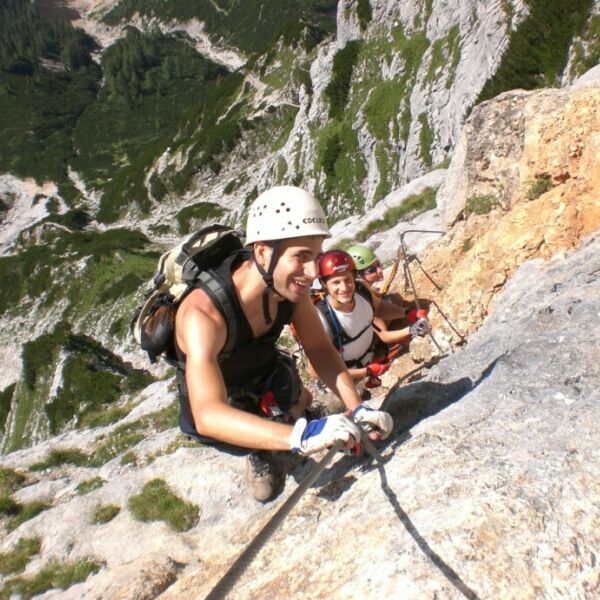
(201, 333)
(322, 354)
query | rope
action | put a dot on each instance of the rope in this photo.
(408, 276)
(241, 563)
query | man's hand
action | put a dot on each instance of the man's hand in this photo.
(374, 419)
(308, 438)
(376, 369)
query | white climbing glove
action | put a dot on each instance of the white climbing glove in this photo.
(373, 419)
(314, 436)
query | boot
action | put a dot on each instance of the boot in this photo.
(260, 475)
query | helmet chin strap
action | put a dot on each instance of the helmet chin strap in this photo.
(268, 279)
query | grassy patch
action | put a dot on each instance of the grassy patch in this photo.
(10, 480)
(339, 159)
(541, 185)
(25, 513)
(383, 107)
(129, 435)
(16, 560)
(466, 245)
(338, 88)
(480, 204)
(53, 576)
(89, 485)
(104, 416)
(61, 456)
(181, 441)
(6, 396)
(411, 207)
(539, 47)
(383, 188)
(364, 13)
(425, 140)
(8, 505)
(191, 217)
(93, 380)
(344, 244)
(445, 56)
(587, 50)
(157, 502)
(107, 257)
(105, 513)
(129, 458)
(118, 442)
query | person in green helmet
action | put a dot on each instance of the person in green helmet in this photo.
(368, 267)
(369, 273)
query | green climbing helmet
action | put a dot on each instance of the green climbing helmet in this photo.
(362, 255)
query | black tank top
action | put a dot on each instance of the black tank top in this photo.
(251, 358)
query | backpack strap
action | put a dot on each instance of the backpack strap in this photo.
(214, 286)
(365, 292)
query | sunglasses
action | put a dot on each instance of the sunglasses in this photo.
(373, 268)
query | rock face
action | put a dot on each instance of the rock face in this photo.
(490, 488)
(534, 158)
(490, 485)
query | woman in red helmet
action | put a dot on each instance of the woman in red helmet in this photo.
(347, 312)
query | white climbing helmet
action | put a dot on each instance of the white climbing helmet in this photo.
(285, 212)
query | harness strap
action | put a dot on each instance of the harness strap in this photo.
(337, 329)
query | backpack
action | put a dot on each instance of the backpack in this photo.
(180, 270)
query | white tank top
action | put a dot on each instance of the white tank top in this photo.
(353, 323)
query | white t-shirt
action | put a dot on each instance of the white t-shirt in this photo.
(353, 323)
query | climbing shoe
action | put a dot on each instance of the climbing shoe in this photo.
(261, 475)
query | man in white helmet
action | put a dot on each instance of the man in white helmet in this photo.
(227, 397)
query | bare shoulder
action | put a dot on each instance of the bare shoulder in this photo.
(199, 326)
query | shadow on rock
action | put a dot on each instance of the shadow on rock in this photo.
(435, 558)
(412, 403)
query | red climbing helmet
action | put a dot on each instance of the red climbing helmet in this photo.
(335, 262)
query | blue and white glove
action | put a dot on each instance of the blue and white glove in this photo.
(314, 436)
(373, 419)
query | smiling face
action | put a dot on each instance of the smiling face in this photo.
(297, 267)
(340, 289)
(373, 273)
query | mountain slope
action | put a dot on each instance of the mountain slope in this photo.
(491, 474)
